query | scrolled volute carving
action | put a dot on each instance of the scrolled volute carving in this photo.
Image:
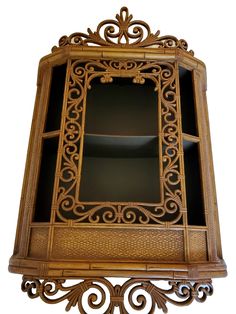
(162, 74)
(104, 291)
(123, 32)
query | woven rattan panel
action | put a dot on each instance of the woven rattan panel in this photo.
(38, 243)
(105, 244)
(198, 246)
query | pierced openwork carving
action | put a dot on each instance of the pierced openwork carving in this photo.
(186, 291)
(68, 206)
(123, 32)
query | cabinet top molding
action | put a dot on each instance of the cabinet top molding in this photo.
(124, 32)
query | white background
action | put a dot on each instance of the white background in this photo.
(28, 31)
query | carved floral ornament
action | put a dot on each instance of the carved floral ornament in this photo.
(123, 32)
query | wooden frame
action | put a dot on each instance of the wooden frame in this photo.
(149, 241)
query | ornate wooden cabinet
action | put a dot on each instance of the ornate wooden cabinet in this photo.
(119, 178)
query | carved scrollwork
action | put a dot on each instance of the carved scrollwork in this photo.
(134, 289)
(123, 32)
(82, 73)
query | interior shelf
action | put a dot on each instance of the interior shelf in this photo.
(190, 138)
(120, 146)
(51, 134)
(122, 108)
(120, 169)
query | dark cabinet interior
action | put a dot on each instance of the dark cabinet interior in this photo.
(121, 145)
(121, 152)
(58, 76)
(46, 180)
(194, 194)
(45, 184)
(189, 124)
(121, 108)
(192, 166)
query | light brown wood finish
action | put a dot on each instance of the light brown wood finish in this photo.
(142, 240)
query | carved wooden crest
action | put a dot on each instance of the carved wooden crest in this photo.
(123, 32)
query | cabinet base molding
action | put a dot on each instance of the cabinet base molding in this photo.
(139, 294)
